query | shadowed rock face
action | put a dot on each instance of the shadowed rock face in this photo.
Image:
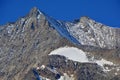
(26, 44)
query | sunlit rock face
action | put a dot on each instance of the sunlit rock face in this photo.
(89, 32)
(26, 44)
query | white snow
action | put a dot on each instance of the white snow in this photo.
(118, 69)
(42, 67)
(66, 77)
(78, 55)
(102, 62)
(38, 17)
(116, 74)
(43, 78)
(39, 12)
(9, 28)
(22, 20)
(71, 53)
(38, 68)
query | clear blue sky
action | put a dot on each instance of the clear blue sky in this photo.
(104, 11)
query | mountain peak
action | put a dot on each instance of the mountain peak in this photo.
(35, 11)
(84, 18)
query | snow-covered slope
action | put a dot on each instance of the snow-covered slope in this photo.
(72, 53)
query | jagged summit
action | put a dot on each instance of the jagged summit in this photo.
(35, 11)
(90, 32)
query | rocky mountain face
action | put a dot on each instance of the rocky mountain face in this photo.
(26, 44)
(92, 33)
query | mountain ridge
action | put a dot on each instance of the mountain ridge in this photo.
(27, 43)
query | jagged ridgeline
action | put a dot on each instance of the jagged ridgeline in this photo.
(39, 47)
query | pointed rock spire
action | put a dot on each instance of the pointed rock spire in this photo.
(34, 11)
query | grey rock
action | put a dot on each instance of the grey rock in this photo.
(92, 33)
(26, 43)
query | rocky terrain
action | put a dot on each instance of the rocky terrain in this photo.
(92, 33)
(26, 44)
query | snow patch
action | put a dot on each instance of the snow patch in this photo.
(43, 78)
(78, 55)
(118, 69)
(66, 77)
(116, 73)
(22, 20)
(38, 68)
(102, 62)
(39, 12)
(42, 67)
(71, 53)
(9, 28)
(38, 17)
